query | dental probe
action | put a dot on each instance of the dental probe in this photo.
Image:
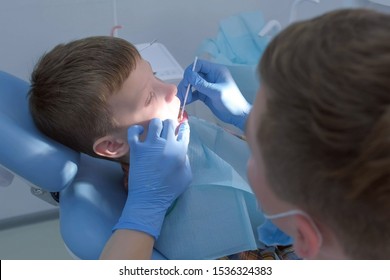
(187, 91)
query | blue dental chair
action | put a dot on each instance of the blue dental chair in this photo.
(88, 191)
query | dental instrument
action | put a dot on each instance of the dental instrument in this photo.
(270, 27)
(187, 92)
(147, 45)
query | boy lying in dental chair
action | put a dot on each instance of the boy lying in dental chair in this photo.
(86, 93)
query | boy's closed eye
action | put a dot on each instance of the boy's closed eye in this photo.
(150, 98)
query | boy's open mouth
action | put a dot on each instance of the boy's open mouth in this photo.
(183, 118)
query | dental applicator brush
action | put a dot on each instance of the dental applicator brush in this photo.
(187, 92)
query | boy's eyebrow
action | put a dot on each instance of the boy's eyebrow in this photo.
(154, 72)
(150, 65)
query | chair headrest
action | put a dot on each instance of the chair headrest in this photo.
(24, 150)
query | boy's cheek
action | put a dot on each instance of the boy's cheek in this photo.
(143, 135)
(145, 125)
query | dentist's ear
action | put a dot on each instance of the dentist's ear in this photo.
(111, 147)
(307, 240)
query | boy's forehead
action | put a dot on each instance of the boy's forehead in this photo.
(140, 74)
(132, 90)
(143, 63)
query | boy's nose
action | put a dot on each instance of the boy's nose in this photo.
(171, 91)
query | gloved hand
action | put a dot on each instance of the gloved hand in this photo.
(216, 88)
(159, 173)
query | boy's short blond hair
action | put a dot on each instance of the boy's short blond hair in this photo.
(70, 86)
(325, 134)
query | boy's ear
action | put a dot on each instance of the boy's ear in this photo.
(307, 241)
(111, 147)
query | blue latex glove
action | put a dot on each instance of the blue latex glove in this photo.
(216, 88)
(271, 235)
(159, 173)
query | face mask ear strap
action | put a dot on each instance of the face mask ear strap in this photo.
(284, 214)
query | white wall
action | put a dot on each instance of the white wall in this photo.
(30, 27)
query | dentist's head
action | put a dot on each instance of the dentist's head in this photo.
(319, 133)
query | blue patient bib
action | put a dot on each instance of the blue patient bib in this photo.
(271, 235)
(218, 215)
